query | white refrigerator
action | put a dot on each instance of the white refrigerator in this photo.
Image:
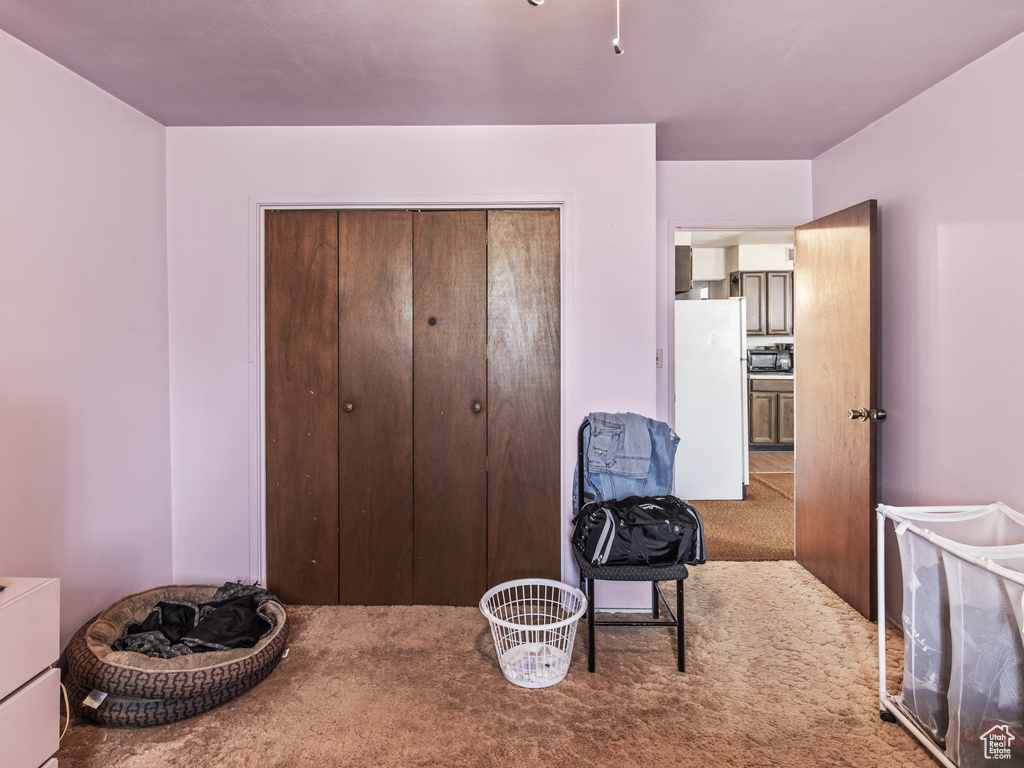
(711, 399)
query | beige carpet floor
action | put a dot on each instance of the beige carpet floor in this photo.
(758, 528)
(780, 673)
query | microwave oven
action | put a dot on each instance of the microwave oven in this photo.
(770, 360)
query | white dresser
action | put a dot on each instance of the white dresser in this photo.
(29, 689)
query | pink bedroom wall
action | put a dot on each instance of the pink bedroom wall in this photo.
(947, 169)
(606, 174)
(84, 406)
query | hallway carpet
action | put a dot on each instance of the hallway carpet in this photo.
(757, 528)
(781, 674)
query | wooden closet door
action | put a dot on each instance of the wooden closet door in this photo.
(524, 391)
(450, 406)
(376, 420)
(301, 325)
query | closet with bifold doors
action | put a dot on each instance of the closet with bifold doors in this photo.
(413, 390)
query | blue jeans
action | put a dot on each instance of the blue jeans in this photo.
(625, 455)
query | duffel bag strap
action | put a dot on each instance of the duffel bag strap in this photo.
(638, 547)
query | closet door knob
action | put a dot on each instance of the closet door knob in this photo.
(476, 407)
(348, 407)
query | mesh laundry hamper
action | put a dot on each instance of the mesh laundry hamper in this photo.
(963, 586)
(533, 623)
(986, 682)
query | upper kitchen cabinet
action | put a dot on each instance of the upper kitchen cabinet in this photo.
(752, 286)
(779, 303)
(769, 298)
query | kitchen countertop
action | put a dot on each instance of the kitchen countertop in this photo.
(765, 375)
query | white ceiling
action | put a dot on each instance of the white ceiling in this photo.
(722, 79)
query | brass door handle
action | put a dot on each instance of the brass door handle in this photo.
(347, 407)
(862, 414)
(476, 408)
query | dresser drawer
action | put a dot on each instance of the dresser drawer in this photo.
(29, 629)
(30, 722)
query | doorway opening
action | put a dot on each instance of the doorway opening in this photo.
(735, 408)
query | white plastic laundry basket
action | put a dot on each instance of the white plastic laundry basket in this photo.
(533, 623)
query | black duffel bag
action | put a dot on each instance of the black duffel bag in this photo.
(640, 530)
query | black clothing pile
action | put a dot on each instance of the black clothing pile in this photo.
(235, 617)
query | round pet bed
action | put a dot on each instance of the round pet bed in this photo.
(124, 712)
(186, 685)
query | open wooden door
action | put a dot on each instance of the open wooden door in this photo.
(836, 332)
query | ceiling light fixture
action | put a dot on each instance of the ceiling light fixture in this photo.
(616, 45)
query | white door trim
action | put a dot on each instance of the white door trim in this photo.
(257, 359)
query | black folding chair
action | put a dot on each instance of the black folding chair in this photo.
(590, 574)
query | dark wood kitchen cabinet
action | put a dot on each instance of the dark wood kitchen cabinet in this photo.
(779, 303)
(787, 430)
(764, 417)
(769, 298)
(771, 412)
